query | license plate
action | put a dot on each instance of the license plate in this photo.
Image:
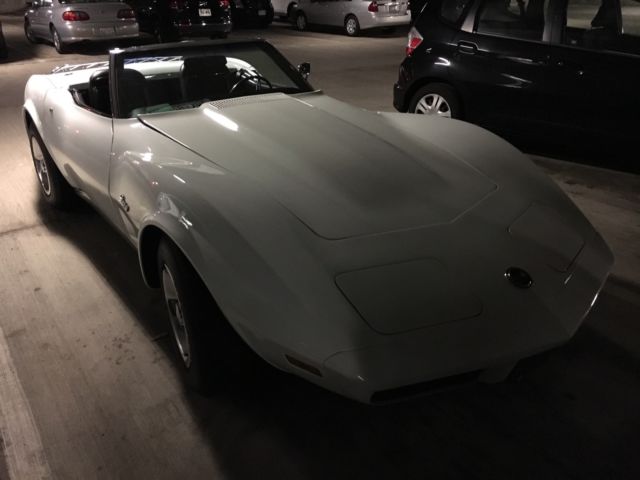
(204, 12)
(106, 31)
(262, 13)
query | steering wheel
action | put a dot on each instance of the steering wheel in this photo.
(247, 76)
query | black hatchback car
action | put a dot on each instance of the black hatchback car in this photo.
(169, 20)
(563, 71)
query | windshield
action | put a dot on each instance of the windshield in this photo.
(183, 77)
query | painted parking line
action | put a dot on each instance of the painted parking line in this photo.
(20, 441)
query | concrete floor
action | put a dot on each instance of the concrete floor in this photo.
(88, 388)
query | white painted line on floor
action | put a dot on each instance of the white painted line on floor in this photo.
(23, 451)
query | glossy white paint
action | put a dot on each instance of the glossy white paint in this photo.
(372, 246)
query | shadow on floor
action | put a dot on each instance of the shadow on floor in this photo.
(569, 413)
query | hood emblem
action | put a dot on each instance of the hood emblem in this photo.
(518, 277)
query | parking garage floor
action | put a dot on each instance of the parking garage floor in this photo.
(88, 388)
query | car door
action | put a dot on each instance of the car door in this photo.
(80, 140)
(598, 63)
(503, 66)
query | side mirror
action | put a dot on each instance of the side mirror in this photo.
(304, 69)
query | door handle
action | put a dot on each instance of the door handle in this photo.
(467, 47)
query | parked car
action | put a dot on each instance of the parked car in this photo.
(284, 8)
(555, 71)
(64, 22)
(370, 253)
(252, 12)
(170, 20)
(352, 15)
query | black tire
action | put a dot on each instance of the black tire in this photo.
(216, 355)
(301, 22)
(53, 186)
(59, 45)
(443, 90)
(31, 38)
(351, 26)
(290, 9)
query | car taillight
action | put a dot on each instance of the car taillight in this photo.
(414, 40)
(373, 7)
(75, 16)
(224, 3)
(126, 13)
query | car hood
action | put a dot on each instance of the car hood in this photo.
(342, 171)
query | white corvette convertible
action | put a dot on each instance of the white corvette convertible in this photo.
(378, 255)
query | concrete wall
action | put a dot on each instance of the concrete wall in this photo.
(11, 5)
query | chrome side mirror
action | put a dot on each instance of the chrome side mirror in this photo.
(304, 69)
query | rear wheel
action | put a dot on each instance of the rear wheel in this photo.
(60, 46)
(54, 188)
(437, 99)
(28, 32)
(351, 26)
(209, 352)
(301, 21)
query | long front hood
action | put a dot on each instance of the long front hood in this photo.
(342, 171)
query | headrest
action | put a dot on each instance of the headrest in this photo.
(205, 65)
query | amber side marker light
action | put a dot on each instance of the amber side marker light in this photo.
(304, 366)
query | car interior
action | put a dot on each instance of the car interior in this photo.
(182, 83)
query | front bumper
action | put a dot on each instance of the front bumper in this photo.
(400, 365)
(83, 31)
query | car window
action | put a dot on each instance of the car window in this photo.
(452, 10)
(612, 25)
(185, 78)
(524, 19)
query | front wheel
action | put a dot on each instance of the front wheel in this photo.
(437, 99)
(54, 188)
(208, 350)
(301, 22)
(59, 45)
(351, 26)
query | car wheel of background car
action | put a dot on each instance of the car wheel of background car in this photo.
(290, 9)
(55, 189)
(301, 21)
(351, 26)
(209, 350)
(57, 41)
(436, 99)
(28, 32)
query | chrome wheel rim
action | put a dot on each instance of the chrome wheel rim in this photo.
(41, 166)
(433, 104)
(351, 26)
(56, 40)
(301, 22)
(176, 316)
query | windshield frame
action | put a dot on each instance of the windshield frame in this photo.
(118, 58)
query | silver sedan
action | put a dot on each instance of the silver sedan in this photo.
(70, 21)
(352, 16)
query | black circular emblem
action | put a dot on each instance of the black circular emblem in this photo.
(518, 277)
